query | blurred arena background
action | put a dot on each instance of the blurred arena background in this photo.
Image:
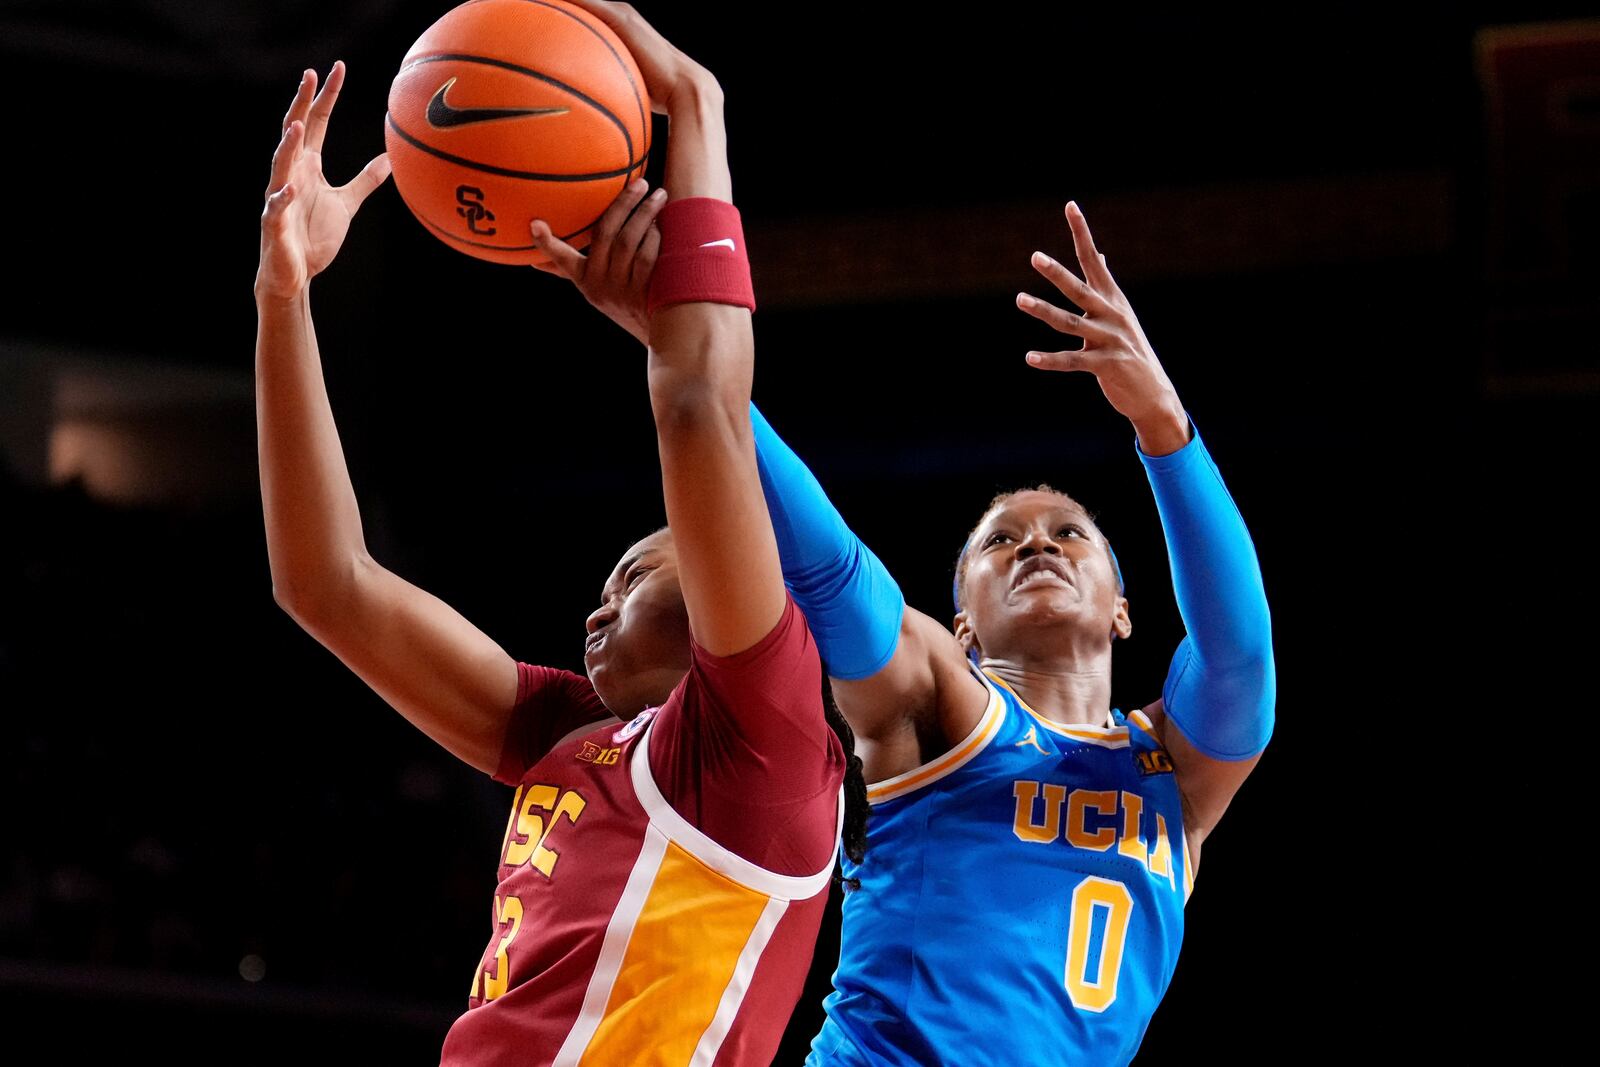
(1362, 238)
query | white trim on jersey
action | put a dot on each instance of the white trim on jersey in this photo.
(614, 948)
(698, 844)
(959, 755)
(1111, 736)
(705, 1053)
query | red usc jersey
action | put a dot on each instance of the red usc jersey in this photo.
(624, 932)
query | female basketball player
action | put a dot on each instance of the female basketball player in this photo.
(649, 910)
(1013, 807)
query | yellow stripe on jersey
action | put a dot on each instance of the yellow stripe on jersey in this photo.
(1188, 872)
(1144, 723)
(988, 726)
(1104, 736)
(686, 946)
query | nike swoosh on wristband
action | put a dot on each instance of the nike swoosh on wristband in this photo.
(717, 244)
(441, 116)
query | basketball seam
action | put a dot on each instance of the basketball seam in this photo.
(504, 172)
(638, 101)
(496, 248)
(615, 119)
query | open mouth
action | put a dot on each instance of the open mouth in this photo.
(1041, 570)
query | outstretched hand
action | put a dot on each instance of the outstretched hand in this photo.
(615, 275)
(1115, 349)
(306, 219)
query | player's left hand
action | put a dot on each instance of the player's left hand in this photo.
(1115, 349)
(615, 274)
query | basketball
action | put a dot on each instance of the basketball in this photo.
(505, 111)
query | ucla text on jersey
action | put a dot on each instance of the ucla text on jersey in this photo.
(1021, 900)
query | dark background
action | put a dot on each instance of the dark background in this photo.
(1362, 245)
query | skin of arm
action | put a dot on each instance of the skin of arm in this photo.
(437, 669)
(1116, 351)
(701, 361)
(925, 700)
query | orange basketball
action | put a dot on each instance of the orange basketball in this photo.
(505, 111)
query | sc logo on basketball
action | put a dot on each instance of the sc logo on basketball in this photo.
(471, 200)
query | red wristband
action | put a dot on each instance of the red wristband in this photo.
(702, 256)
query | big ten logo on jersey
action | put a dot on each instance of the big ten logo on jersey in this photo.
(473, 210)
(601, 757)
(1154, 762)
(1094, 819)
(535, 813)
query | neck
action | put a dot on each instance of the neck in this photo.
(1067, 693)
(651, 691)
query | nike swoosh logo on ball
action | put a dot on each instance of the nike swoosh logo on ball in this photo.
(442, 116)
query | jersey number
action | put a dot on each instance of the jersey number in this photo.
(534, 813)
(1096, 935)
(508, 910)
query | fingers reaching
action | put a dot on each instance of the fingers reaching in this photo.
(322, 107)
(605, 231)
(645, 262)
(283, 159)
(1089, 258)
(566, 260)
(357, 189)
(1071, 286)
(1070, 360)
(629, 242)
(1065, 321)
(300, 106)
(277, 204)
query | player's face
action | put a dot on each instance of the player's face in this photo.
(638, 644)
(1038, 569)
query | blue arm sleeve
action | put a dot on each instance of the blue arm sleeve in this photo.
(1222, 685)
(851, 604)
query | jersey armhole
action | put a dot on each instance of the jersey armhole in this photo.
(958, 755)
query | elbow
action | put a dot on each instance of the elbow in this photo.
(315, 600)
(686, 407)
(297, 601)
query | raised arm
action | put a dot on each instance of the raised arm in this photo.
(1221, 688)
(701, 353)
(885, 659)
(432, 665)
(893, 667)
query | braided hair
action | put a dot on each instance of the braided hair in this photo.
(854, 840)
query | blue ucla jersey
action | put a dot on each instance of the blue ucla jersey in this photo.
(1021, 900)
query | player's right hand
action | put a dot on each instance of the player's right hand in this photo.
(305, 219)
(615, 274)
(667, 71)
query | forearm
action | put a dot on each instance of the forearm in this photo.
(700, 365)
(313, 525)
(699, 350)
(849, 598)
(1220, 688)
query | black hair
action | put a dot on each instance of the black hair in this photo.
(854, 838)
